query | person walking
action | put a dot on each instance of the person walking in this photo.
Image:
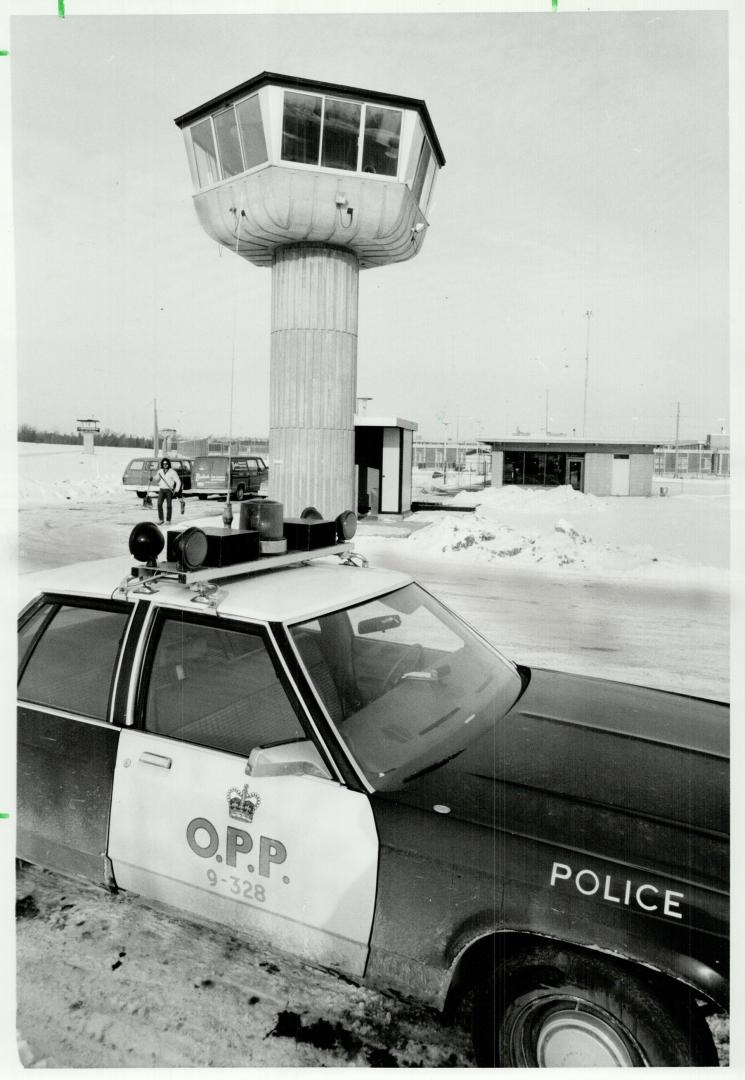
(169, 484)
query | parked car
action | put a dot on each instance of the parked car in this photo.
(139, 475)
(383, 793)
(218, 474)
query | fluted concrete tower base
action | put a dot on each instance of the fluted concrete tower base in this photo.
(313, 378)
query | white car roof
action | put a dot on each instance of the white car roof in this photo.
(286, 595)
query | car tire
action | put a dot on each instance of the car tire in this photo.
(553, 1007)
(240, 491)
(202, 498)
(141, 494)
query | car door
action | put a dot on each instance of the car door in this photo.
(287, 853)
(70, 657)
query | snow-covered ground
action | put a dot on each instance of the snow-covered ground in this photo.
(629, 588)
(552, 528)
(687, 531)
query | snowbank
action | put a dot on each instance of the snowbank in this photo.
(560, 528)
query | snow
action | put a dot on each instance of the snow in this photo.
(545, 529)
(562, 529)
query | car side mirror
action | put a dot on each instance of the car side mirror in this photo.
(287, 759)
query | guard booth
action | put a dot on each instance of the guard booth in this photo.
(383, 461)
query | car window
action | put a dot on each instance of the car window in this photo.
(218, 688)
(72, 665)
(136, 466)
(28, 631)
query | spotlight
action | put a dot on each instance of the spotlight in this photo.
(146, 543)
(346, 526)
(188, 548)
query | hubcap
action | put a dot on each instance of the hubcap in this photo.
(572, 1039)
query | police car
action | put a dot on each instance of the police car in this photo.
(319, 754)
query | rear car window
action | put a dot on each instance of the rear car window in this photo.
(217, 688)
(72, 664)
(28, 632)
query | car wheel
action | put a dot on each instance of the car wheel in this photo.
(141, 494)
(554, 1008)
(202, 498)
(240, 491)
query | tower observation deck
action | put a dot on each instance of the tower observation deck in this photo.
(318, 181)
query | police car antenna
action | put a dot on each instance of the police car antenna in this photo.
(227, 516)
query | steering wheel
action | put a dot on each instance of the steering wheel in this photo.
(407, 662)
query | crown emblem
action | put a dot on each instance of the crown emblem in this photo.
(243, 804)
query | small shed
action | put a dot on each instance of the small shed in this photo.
(383, 462)
(596, 468)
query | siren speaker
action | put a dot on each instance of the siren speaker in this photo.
(303, 534)
(227, 547)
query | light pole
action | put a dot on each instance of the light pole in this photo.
(588, 316)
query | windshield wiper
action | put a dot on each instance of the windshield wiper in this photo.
(431, 768)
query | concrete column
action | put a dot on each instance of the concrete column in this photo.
(313, 378)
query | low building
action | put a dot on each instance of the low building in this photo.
(439, 453)
(223, 444)
(596, 468)
(710, 458)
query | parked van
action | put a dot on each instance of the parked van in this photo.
(140, 474)
(218, 474)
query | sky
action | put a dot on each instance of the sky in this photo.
(586, 170)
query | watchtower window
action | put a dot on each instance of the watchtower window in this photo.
(301, 128)
(341, 134)
(228, 143)
(328, 132)
(205, 154)
(382, 137)
(252, 132)
(421, 171)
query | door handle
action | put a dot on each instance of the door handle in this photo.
(155, 759)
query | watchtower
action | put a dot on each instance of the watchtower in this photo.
(318, 181)
(88, 429)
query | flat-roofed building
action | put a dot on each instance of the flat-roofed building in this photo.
(596, 468)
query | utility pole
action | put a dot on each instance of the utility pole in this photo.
(588, 316)
(677, 440)
(547, 414)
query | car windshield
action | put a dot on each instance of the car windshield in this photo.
(406, 683)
